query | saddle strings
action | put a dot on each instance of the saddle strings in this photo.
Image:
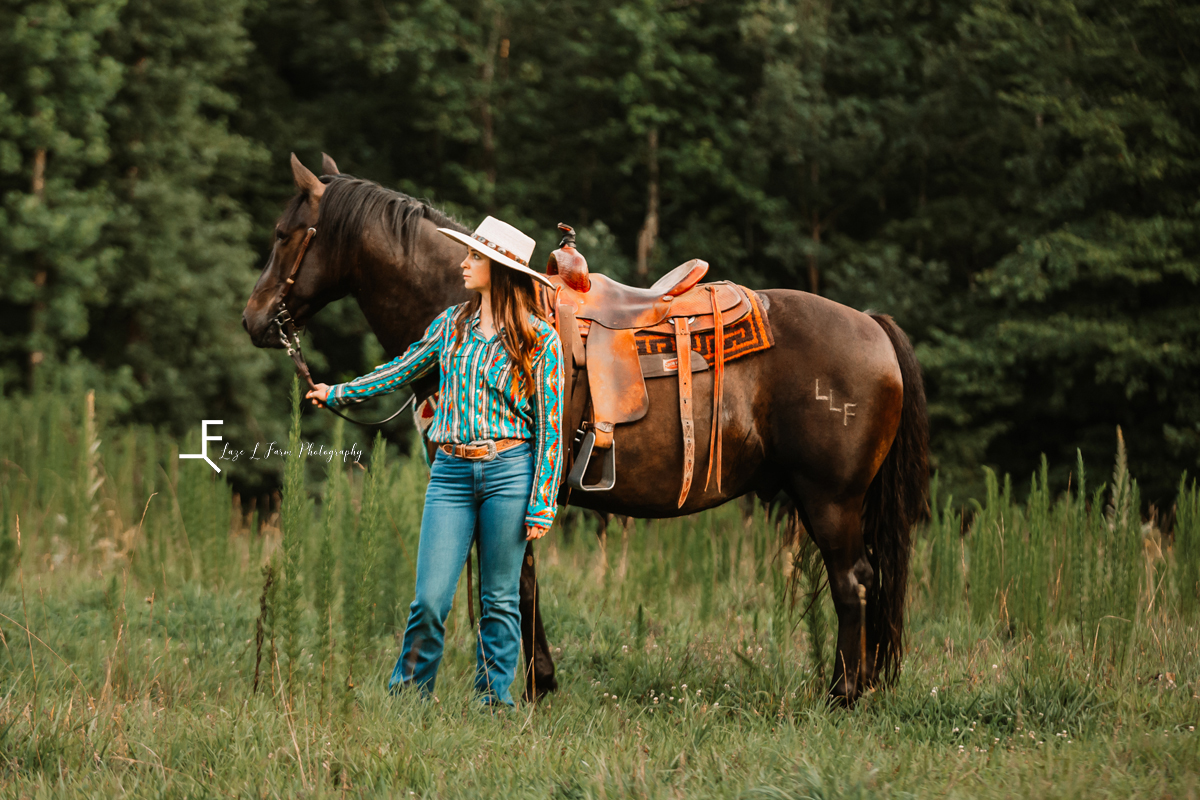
(714, 439)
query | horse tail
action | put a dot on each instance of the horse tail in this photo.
(897, 499)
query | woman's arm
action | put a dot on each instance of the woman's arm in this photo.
(547, 410)
(418, 360)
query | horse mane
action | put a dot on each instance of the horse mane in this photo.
(350, 205)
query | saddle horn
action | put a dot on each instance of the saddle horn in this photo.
(569, 262)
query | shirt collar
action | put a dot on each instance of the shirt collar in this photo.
(476, 319)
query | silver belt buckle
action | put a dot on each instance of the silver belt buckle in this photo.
(490, 444)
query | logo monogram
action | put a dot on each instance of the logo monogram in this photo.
(204, 440)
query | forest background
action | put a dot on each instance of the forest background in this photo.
(1017, 183)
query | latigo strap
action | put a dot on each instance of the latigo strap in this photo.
(683, 344)
(714, 440)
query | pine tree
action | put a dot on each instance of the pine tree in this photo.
(56, 206)
(1087, 315)
(124, 249)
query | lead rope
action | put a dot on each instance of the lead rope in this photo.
(291, 341)
(289, 335)
(470, 592)
(533, 628)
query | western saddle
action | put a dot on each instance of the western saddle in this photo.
(599, 319)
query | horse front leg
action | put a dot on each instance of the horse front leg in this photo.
(539, 664)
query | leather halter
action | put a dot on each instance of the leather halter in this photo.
(289, 333)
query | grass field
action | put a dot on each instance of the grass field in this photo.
(1053, 648)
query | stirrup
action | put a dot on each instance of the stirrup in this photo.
(608, 472)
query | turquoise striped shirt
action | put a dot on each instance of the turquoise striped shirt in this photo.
(478, 396)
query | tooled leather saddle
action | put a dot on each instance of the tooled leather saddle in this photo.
(616, 336)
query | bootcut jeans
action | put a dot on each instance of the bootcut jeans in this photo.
(463, 495)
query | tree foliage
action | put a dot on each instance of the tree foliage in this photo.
(1015, 182)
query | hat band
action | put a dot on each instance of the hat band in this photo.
(523, 262)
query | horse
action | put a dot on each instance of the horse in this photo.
(833, 415)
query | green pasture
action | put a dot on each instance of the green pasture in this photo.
(161, 640)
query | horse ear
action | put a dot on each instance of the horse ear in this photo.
(329, 166)
(305, 180)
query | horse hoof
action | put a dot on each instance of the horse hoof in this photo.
(839, 697)
(840, 701)
(545, 685)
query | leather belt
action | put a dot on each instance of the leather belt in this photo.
(483, 450)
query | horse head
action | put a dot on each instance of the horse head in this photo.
(378, 245)
(300, 256)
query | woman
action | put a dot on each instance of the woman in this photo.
(498, 427)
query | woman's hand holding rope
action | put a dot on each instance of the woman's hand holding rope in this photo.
(319, 395)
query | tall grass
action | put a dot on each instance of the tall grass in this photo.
(361, 584)
(1186, 563)
(944, 542)
(323, 572)
(121, 501)
(700, 643)
(90, 497)
(294, 522)
(1084, 560)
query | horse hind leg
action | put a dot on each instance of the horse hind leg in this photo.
(836, 529)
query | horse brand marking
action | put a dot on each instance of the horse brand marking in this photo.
(844, 410)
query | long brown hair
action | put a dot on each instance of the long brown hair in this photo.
(513, 300)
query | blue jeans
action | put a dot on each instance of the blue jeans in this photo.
(462, 495)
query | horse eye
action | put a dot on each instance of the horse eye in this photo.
(281, 235)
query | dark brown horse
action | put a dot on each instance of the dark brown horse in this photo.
(833, 415)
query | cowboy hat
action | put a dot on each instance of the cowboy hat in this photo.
(502, 243)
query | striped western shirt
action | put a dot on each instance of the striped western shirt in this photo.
(478, 396)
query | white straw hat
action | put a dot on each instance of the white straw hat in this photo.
(502, 243)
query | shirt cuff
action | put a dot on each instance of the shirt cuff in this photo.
(334, 399)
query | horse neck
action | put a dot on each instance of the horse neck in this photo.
(400, 295)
